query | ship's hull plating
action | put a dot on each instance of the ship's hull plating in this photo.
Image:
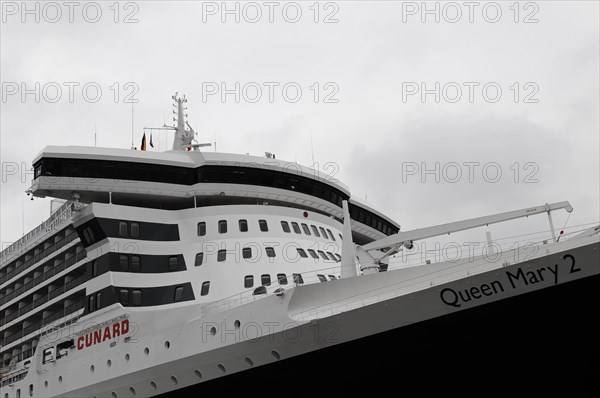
(542, 341)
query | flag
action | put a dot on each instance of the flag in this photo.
(143, 147)
(151, 144)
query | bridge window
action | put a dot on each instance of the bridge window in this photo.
(243, 225)
(201, 228)
(199, 259)
(285, 226)
(221, 255)
(302, 253)
(178, 293)
(296, 227)
(306, 229)
(135, 230)
(123, 229)
(263, 225)
(331, 235)
(323, 255)
(136, 297)
(270, 252)
(282, 278)
(265, 279)
(316, 231)
(331, 256)
(331, 277)
(322, 278)
(298, 279)
(313, 254)
(173, 263)
(248, 281)
(339, 258)
(247, 252)
(205, 288)
(223, 226)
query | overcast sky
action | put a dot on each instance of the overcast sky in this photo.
(509, 89)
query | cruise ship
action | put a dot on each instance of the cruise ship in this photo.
(195, 272)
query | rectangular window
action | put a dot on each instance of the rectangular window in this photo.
(285, 226)
(91, 306)
(331, 277)
(282, 278)
(247, 252)
(124, 297)
(135, 230)
(323, 233)
(98, 300)
(323, 255)
(341, 237)
(173, 263)
(263, 225)
(295, 227)
(270, 252)
(94, 268)
(86, 236)
(322, 278)
(136, 264)
(223, 226)
(306, 229)
(243, 225)
(123, 263)
(313, 254)
(178, 293)
(302, 253)
(199, 259)
(331, 235)
(221, 255)
(249, 281)
(316, 231)
(123, 229)
(379, 225)
(339, 258)
(205, 288)
(265, 279)
(136, 297)
(298, 279)
(201, 228)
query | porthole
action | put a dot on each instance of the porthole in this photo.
(198, 373)
(237, 324)
(60, 379)
(113, 394)
(108, 363)
(127, 357)
(221, 367)
(92, 368)
(46, 383)
(167, 345)
(174, 380)
(213, 330)
(146, 351)
(276, 355)
(153, 385)
(132, 390)
(249, 362)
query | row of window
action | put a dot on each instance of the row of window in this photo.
(264, 227)
(247, 253)
(282, 279)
